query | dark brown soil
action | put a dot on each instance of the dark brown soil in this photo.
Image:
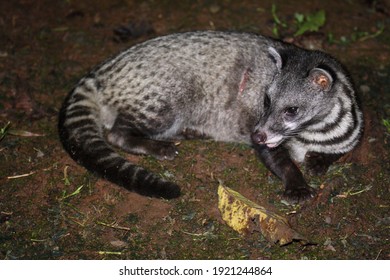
(46, 46)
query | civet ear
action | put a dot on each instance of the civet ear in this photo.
(321, 78)
(276, 57)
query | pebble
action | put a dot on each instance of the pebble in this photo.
(214, 9)
(365, 88)
(118, 243)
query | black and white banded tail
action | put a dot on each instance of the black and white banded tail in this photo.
(81, 133)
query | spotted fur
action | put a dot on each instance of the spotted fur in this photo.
(231, 87)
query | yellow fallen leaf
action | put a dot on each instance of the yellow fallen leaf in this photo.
(245, 216)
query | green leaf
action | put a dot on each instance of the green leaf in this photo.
(299, 18)
(275, 31)
(313, 22)
(386, 123)
(4, 130)
(76, 192)
(276, 18)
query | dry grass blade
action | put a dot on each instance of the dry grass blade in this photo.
(23, 133)
(21, 175)
(113, 226)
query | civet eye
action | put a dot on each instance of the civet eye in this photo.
(291, 111)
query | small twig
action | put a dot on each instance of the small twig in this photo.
(377, 256)
(38, 240)
(350, 193)
(193, 234)
(113, 226)
(361, 191)
(109, 253)
(21, 175)
(23, 133)
(206, 234)
(28, 174)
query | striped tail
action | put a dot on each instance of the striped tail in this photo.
(81, 135)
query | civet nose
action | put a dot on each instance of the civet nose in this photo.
(259, 137)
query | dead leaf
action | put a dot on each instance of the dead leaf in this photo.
(245, 216)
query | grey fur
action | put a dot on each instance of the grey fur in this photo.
(231, 87)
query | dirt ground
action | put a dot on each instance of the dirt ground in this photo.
(51, 208)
